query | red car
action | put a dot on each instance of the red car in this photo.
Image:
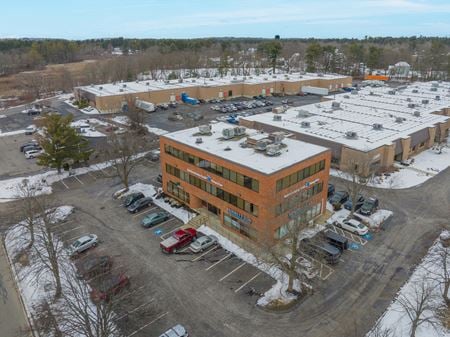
(178, 239)
(109, 286)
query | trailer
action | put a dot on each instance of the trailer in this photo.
(315, 90)
(186, 99)
(146, 106)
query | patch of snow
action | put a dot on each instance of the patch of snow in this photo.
(124, 120)
(11, 133)
(87, 127)
(87, 111)
(2, 116)
(156, 131)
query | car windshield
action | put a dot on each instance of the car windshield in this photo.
(77, 243)
(361, 226)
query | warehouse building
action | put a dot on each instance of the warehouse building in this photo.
(112, 97)
(253, 183)
(370, 128)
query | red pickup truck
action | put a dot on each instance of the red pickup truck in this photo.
(178, 239)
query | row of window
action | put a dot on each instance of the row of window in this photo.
(296, 200)
(177, 192)
(219, 170)
(215, 191)
(295, 177)
(238, 226)
(310, 214)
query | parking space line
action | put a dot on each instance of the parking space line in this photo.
(134, 310)
(207, 252)
(143, 212)
(128, 294)
(234, 270)
(93, 176)
(146, 325)
(62, 182)
(243, 285)
(348, 235)
(164, 222)
(164, 236)
(78, 180)
(69, 230)
(221, 260)
(184, 249)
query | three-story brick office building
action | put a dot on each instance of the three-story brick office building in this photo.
(255, 183)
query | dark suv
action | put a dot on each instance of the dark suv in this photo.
(321, 250)
(369, 206)
(340, 197)
(140, 204)
(359, 202)
(132, 198)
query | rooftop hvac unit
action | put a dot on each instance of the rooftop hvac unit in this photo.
(411, 105)
(300, 76)
(433, 89)
(434, 84)
(180, 80)
(437, 98)
(239, 131)
(234, 78)
(391, 92)
(417, 113)
(244, 78)
(306, 124)
(346, 96)
(124, 85)
(273, 150)
(261, 145)
(303, 113)
(320, 75)
(409, 99)
(322, 123)
(199, 140)
(250, 77)
(100, 88)
(147, 84)
(274, 76)
(371, 93)
(277, 118)
(377, 126)
(227, 148)
(425, 101)
(330, 111)
(204, 129)
(398, 120)
(265, 78)
(336, 105)
(121, 90)
(351, 134)
(276, 137)
(415, 91)
(167, 82)
(211, 79)
(193, 81)
(228, 133)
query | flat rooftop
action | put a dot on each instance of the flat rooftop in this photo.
(111, 89)
(359, 112)
(292, 152)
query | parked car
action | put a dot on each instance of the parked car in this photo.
(153, 219)
(336, 240)
(331, 190)
(30, 154)
(83, 243)
(352, 225)
(159, 178)
(109, 286)
(33, 146)
(369, 206)
(154, 155)
(32, 112)
(176, 331)
(93, 265)
(33, 142)
(178, 239)
(321, 250)
(202, 243)
(132, 198)
(359, 202)
(29, 130)
(140, 204)
(340, 197)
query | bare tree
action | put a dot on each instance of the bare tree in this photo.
(48, 248)
(3, 291)
(81, 315)
(136, 117)
(419, 306)
(379, 331)
(29, 208)
(122, 151)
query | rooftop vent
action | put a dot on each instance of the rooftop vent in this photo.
(211, 79)
(354, 92)
(377, 126)
(124, 85)
(336, 105)
(417, 113)
(320, 75)
(415, 91)
(227, 148)
(437, 98)
(100, 88)
(261, 145)
(121, 90)
(434, 85)
(351, 134)
(346, 96)
(180, 80)
(411, 105)
(425, 101)
(273, 150)
(228, 133)
(204, 129)
(305, 124)
(371, 93)
(391, 92)
(433, 89)
(322, 123)
(194, 80)
(398, 120)
(409, 99)
(147, 83)
(276, 137)
(303, 113)
(277, 118)
(167, 82)
(199, 140)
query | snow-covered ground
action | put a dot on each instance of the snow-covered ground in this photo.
(124, 120)
(425, 165)
(11, 133)
(87, 127)
(43, 181)
(156, 131)
(149, 191)
(87, 111)
(2, 116)
(395, 317)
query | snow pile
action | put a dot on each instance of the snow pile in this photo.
(375, 220)
(156, 131)
(87, 127)
(11, 133)
(149, 191)
(395, 317)
(278, 291)
(124, 120)
(88, 111)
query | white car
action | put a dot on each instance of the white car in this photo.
(30, 130)
(176, 331)
(202, 243)
(83, 243)
(32, 154)
(352, 225)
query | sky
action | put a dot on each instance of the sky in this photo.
(83, 19)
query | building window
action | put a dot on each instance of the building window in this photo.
(230, 93)
(238, 225)
(295, 177)
(306, 216)
(298, 199)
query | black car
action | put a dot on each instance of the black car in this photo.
(330, 190)
(321, 250)
(132, 198)
(32, 112)
(31, 147)
(34, 143)
(140, 204)
(159, 178)
(340, 197)
(336, 240)
(359, 202)
(369, 206)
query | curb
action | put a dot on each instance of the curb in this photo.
(16, 286)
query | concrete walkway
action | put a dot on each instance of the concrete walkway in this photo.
(13, 322)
